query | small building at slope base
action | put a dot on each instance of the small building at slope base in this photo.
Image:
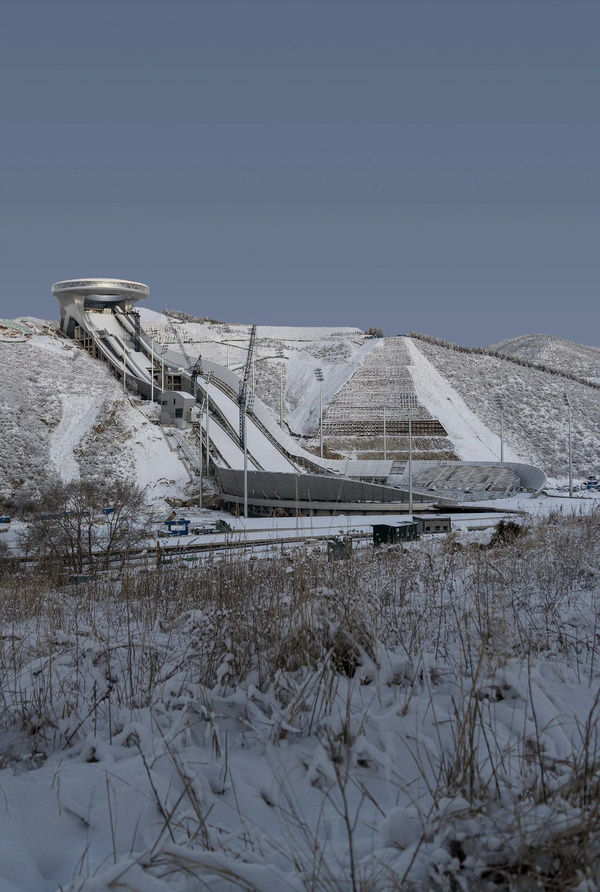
(178, 408)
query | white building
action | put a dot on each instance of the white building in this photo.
(178, 408)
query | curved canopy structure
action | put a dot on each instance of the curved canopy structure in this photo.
(111, 290)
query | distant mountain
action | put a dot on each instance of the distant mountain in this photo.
(556, 353)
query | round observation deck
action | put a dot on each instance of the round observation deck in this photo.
(107, 290)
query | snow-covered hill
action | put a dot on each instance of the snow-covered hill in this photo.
(63, 416)
(556, 353)
(535, 415)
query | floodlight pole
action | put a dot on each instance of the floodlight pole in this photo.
(501, 431)
(207, 425)
(319, 377)
(410, 475)
(200, 463)
(245, 467)
(152, 368)
(568, 402)
(280, 355)
(384, 437)
(321, 412)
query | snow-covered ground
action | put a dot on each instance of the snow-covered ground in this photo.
(418, 719)
(79, 412)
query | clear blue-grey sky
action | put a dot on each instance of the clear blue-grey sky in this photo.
(431, 165)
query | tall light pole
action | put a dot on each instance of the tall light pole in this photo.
(247, 405)
(320, 379)
(280, 357)
(152, 368)
(501, 404)
(245, 470)
(410, 475)
(163, 350)
(207, 424)
(384, 437)
(568, 404)
(200, 463)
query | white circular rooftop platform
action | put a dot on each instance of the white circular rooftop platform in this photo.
(107, 289)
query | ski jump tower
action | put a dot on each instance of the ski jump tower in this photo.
(76, 296)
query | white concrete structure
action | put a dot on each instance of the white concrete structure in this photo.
(178, 408)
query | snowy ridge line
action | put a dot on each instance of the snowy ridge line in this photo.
(485, 351)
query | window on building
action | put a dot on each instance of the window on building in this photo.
(178, 413)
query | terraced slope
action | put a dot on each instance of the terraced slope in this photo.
(377, 399)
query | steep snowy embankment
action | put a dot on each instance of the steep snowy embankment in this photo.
(472, 440)
(535, 414)
(63, 417)
(79, 413)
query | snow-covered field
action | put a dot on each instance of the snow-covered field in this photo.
(419, 718)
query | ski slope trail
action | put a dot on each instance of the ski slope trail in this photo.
(79, 412)
(472, 440)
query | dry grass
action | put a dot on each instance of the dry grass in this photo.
(464, 630)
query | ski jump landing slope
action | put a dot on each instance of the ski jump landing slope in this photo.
(270, 448)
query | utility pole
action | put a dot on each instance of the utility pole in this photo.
(568, 403)
(501, 430)
(319, 377)
(124, 368)
(410, 475)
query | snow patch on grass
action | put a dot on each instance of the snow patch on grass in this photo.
(79, 413)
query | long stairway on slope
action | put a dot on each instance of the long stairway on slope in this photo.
(377, 399)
